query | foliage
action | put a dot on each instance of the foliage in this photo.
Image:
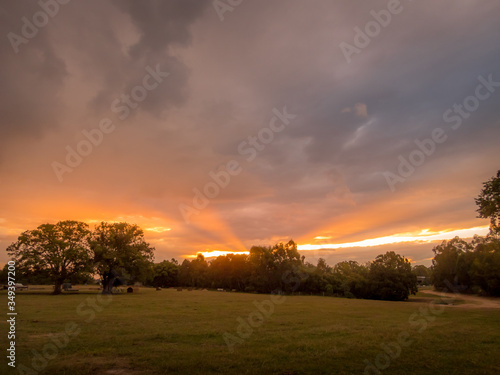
(475, 266)
(119, 250)
(281, 269)
(230, 271)
(485, 266)
(391, 278)
(353, 279)
(56, 251)
(194, 273)
(165, 274)
(421, 270)
(488, 202)
(472, 267)
(449, 264)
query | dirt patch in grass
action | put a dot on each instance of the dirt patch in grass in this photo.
(467, 301)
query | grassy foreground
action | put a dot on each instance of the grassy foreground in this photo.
(171, 332)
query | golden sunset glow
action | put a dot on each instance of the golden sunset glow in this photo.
(424, 235)
(158, 229)
(215, 253)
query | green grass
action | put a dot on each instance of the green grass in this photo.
(171, 332)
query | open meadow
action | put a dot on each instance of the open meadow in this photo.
(173, 332)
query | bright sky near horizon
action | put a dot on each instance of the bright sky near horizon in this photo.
(346, 126)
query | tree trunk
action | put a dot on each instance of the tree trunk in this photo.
(57, 287)
(107, 289)
(107, 284)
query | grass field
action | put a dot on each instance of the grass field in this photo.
(172, 332)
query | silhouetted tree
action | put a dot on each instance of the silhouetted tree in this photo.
(229, 271)
(353, 279)
(119, 249)
(199, 267)
(451, 264)
(165, 274)
(391, 277)
(485, 267)
(488, 202)
(59, 251)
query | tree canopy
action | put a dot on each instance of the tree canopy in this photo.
(119, 249)
(488, 202)
(281, 269)
(391, 277)
(57, 250)
(69, 250)
(473, 266)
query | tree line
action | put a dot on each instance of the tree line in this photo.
(69, 251)
(281, 269)
(117, 253)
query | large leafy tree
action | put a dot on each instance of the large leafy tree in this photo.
(119, 250)
(165, 273)
(275, 268)
(319, 277)
(194, 273)
(353, 279)
(229, 271)
(57, 250)
(485, 266)
(391, 277)
(288, 264)
(262, 269)
(451, 263)
(488, 203)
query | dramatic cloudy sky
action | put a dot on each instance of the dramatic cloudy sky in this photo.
(322, 179)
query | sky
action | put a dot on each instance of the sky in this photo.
(351, 127)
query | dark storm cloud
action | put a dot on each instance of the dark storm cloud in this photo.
(161, 23)
(30, 80)
(90, 33)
